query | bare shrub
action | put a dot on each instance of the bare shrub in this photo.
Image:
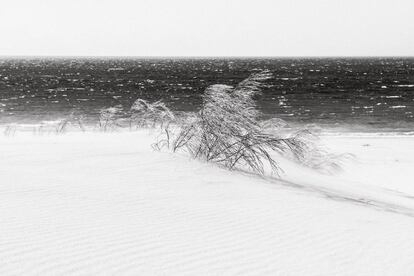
(142, 114)
(109, 118)
(73, 119)
(227, 131)
(145, 114)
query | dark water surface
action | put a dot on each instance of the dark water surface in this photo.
(364, 94)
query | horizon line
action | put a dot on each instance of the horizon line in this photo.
(196, 57)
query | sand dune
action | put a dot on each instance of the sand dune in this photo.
(106, 204)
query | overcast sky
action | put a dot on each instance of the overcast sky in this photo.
(207, 28)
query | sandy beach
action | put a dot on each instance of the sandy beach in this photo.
(107, 203)
(216, 137)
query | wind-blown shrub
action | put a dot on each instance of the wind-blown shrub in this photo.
(109, 118)
(141, 114)
(73, 119)
(145, 114)
(227, 130)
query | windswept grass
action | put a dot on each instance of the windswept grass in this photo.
(227, 131)
(145, 114)
(109, 118)
(73, 119)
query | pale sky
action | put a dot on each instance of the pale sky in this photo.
(207, 28)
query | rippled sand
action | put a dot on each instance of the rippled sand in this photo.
(90, 203)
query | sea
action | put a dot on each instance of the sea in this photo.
(343, 94)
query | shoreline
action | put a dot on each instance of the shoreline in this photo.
(50, 127)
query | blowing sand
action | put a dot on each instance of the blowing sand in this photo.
(105, 204)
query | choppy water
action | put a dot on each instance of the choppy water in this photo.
(364, 94)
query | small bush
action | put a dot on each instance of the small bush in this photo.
(73, 119)
(145, 114)
(227, 130)
(109, 118)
